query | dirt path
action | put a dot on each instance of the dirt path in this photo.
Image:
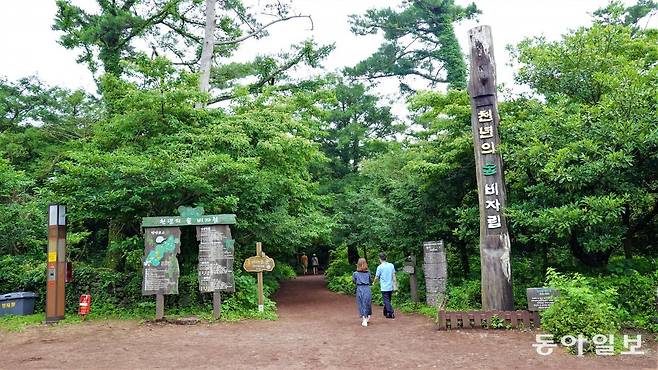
(317, 329)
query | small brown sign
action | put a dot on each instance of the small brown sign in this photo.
(541, 298)
(258, 264)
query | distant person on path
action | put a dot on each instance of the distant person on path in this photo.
(386, 275)
(361, 277)
(315, 263)
(304, 259)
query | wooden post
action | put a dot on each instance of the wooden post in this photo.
(159, 306)
(494, 237)
(56, 264)
(217, 304)
(413, 282)
(261, 304)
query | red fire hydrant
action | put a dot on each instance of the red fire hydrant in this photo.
(85, 305)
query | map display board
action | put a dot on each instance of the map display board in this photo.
(160, 264)
(216, 256)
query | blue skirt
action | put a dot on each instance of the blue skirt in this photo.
(364, 300)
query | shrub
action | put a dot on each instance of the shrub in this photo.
(339, 264)
(580, 308)
(636, 297)
(466, 296)
(342, 284)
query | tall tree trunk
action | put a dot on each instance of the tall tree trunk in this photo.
(115, 234)
(352, 254)
(628, 238)
(208, 49)
(591, 259)
(463, 257)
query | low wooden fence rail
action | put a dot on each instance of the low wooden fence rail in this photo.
(486, 319)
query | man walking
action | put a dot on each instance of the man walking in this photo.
(304, 262)
(315, 263)
(386, 275)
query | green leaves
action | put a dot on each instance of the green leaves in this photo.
(433, 48)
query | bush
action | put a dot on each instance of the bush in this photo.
(464, 297)
(338, 263)
(636, 297)
(342, 284)
(119, 294)
(580, 308)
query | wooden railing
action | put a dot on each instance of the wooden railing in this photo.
(488, 319)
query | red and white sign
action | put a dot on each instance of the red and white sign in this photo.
(85, 304)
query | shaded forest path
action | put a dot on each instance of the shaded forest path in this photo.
(316, 329)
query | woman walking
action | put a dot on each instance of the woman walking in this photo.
(361, 277)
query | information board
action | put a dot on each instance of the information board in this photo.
(160, 264)
(541, 298)
(216, 256)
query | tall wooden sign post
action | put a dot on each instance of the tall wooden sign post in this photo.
(56, 267)
(494, 237)
(259, 263)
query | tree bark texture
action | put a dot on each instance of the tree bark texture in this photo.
(494, 237)
(208, 49)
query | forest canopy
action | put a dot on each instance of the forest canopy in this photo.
(322, 164)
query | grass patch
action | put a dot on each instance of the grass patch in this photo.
(13, 323)
(419, 308)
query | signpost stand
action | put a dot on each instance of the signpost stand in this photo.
(261, 303)
(55, 281)
(217, 304)
(410, 268)
(259, 263)
(159, 306)
(162, 244)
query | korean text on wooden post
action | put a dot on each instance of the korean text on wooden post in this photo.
(494, 237)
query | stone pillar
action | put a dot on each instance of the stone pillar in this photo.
(436, 272)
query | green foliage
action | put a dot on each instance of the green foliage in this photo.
(464, 297)
(339, 272)
(322, 164)
(580, 166)
(429, 23)
(580, 308)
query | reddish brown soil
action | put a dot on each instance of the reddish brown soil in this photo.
(317, 329)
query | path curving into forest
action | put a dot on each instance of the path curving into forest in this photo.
(316, 329)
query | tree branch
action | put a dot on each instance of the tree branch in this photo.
(261, 29)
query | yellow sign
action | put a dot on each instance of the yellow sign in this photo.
(52, 256)
(258, 263)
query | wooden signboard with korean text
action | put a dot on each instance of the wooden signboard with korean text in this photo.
(494, 238)
(259, 263)
(162, 244)
(161, 270)
(216, 256)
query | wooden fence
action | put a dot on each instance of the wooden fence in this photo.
(488, 320)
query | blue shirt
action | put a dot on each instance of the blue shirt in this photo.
(385, 273)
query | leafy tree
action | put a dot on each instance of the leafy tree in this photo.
(111, 33)
(354, 126)
(419, 41)
(582, 166)
(160, 152)
(173, 28)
